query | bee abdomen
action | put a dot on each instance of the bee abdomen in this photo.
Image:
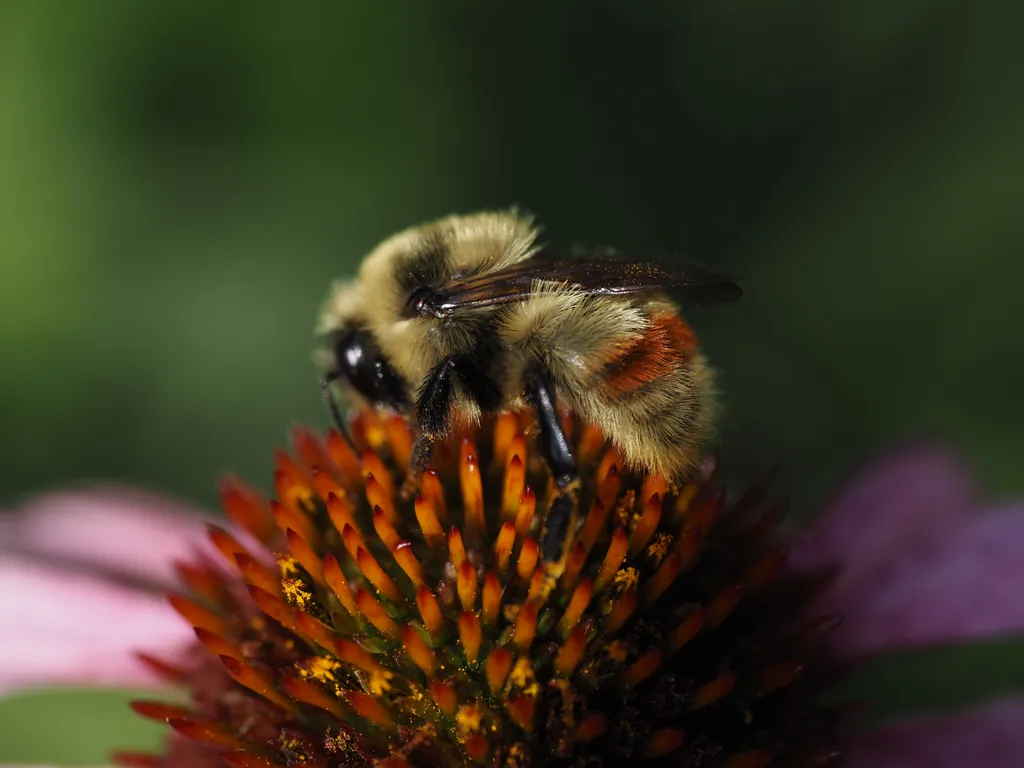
(634, 366)
(655, 398)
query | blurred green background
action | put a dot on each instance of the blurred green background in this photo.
(180, 181)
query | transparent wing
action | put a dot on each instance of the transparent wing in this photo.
(597, 277)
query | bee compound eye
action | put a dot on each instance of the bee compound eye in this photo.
(362, 364)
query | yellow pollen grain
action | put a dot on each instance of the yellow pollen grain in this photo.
(658, 548)
(339, 743)
(296, 593)
(517, 757)
(289, 566)
(623, 514)
(380, 682)
(320, 668)
(625, 578)
(521, 677)
(295, 748)
(468, 719)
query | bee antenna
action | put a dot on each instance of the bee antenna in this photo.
(332, 408)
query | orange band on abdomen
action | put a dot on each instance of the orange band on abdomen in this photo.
(668, 342)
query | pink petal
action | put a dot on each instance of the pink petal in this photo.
(919, 564)
(991, 737)
(136, 534)
(966, 582)
(75, 629)
(881, 511)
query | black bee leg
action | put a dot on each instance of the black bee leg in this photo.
(422, 449)
(433, 414)
(332, 407)
(540, 393)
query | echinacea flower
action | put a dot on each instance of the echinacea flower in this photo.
(341, 625)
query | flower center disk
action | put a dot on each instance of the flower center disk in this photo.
(360, 625)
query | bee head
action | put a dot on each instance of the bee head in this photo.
(360, 363)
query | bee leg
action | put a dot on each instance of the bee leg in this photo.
(422, 449)
(332, 408)
(433, 413)
(540, 393)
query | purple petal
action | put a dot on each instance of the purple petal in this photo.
(919, 565)
(965, 583)
(62, 627)
(120, 530)
(884, 509)
(988, 737)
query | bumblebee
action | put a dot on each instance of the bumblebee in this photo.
(468, 315)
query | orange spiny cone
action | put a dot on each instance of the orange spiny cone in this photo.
(429, 632)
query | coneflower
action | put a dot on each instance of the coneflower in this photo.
(363, 626)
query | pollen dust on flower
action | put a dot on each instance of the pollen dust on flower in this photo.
(625, 579)
(428, 631)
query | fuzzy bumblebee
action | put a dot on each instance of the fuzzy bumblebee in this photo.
(469, 315)
(429, 633)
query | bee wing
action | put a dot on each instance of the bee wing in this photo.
(597, 277)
